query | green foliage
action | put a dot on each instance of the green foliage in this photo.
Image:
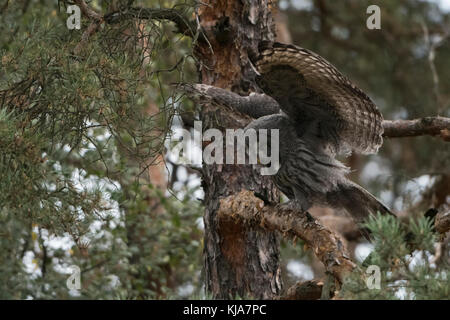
(388, 239)
(80, 122)
(403, 255)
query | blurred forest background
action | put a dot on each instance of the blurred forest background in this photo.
(87, 128)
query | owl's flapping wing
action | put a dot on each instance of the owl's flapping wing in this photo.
(310, 90)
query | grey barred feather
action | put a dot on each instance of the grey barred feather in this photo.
(308, 86)
(309, 175)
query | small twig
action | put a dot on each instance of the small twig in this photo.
(44, 254)
(95, 17)
(437, 253)
(88, 11)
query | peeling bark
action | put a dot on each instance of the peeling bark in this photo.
(238, 259)
(249, 210)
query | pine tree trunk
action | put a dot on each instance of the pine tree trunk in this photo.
(238, 260)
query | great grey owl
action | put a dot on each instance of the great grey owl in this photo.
(319, 114)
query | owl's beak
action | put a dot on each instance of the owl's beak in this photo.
(254, 68)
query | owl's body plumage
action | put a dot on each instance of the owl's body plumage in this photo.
(319, 114)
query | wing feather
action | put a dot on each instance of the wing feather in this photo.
(310, 89)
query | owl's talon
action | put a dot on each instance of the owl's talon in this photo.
(293, 205)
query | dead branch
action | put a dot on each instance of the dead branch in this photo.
(433, 126)
(245, 206)
(93, 27)
(307, 290)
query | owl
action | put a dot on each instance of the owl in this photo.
(319, 114)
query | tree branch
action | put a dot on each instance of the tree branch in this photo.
(418, 127)
(245, 206)
(92, 28)
(307, 290)
(88, 11)
(183, 24)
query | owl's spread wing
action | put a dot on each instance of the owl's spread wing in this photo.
(311, 91)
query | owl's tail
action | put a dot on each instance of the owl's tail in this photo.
(358, 202)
